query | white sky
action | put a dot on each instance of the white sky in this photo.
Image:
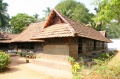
(32, 7)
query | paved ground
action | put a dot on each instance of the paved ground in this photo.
(19, 69)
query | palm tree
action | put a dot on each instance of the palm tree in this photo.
(4, 17)
(36, 16)
(67, 13)
(47, 12)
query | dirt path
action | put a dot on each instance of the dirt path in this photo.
(19, 70)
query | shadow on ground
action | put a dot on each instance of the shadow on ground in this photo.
(17, 60)
(9, 70)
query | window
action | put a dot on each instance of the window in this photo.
(25, 45)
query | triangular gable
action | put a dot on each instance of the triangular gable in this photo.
(103, 33)
(56, 18)
(65, 27)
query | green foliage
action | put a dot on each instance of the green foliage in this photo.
(71, 59)
(4, 17)
(78, 70)
(75, 71)
(108, 10)
(1, 50)
(75, 10)
(75, 68)
(21, 53)
(20, 21)
(105, 71)
(46, 13)
(102, 69)
(104, 56)
(4, 60)
(113, 30)
(36, 16)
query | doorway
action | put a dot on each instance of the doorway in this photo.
(80, 45)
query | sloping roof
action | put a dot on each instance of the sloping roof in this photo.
(57, 30)
(75, 29)
(3, 35)
(103, 33)
(6, 37)
(85, 31)
(27, 34)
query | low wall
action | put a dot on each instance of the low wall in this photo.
(56, 49)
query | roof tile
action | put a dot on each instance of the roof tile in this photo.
(70, 29)
(27, 34)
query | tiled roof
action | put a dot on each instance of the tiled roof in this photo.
(57, 30)
(71, 27)
(103, 33)
(6, 37)
(3, 35)
(27, 34)
(85, 31)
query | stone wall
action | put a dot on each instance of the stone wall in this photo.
(56, 49)
(73, 47)
(56, 46)
(88, 46)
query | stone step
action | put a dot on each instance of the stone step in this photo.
(50, 71)
(65, 66)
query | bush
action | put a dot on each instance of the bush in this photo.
(103, 69)
(21, 53)
(105, 56)
(4, 60)
(106, 71)
(71, 60)
(77, 68)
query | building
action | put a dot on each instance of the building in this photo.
(58, 38)
(5, 41)
(23, 40)
(64, 37)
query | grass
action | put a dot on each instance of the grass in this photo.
(101, 69)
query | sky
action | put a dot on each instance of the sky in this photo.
(32, 7)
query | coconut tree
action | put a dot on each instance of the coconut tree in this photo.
(4, 17)
(47, 12)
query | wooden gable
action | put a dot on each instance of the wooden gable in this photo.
(54, 18)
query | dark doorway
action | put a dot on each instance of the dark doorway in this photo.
(3, 45)
(79, 45)
(94, 44)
